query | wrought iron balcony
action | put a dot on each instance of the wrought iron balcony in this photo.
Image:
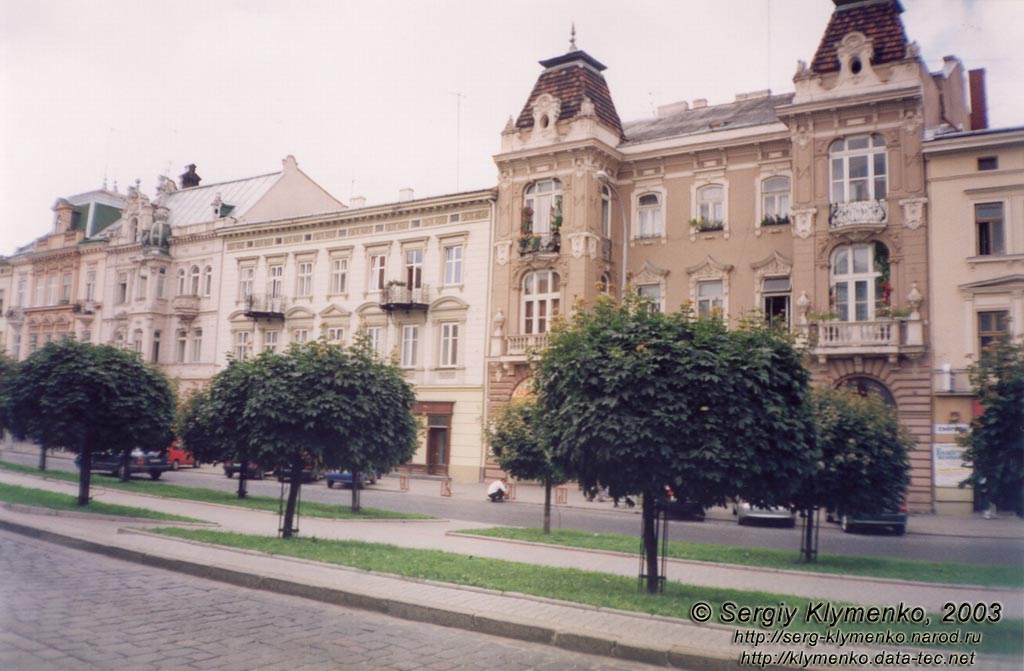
(531, 244)
(398, 296)
(863, 215)
(522, 344)
(265, 307)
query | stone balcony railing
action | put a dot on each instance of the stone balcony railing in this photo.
(882, 337)
(864, 215)
(518, 345)
(186, 307)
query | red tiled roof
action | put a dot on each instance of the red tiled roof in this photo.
(879, 21)
(569, 78)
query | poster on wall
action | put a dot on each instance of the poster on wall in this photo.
(949, 466)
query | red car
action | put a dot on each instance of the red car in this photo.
(178, 457)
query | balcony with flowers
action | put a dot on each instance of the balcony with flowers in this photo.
(540, 234)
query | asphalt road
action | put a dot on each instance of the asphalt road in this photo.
(712, 531)
(68, 610)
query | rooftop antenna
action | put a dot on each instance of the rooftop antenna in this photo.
(458, 134)
(572, 38)
(106, 158)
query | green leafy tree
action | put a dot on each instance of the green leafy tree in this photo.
(86, 398)
(637, 400)
(864, 466)
(995, 443)
(8, 370)
(516, 442)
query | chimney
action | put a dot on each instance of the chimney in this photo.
(979, 106)
(357, 201)
(189, 178)
(699, 103)
(405, 195)
(63, 214)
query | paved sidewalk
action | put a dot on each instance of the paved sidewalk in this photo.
(637, 637)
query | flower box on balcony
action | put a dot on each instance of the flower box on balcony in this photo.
(703, 225)
(775, 220)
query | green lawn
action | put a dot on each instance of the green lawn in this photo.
(596, 589)
(45, 499)
(337, 511)
(875, 567)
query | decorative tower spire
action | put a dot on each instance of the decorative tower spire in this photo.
(572, 38)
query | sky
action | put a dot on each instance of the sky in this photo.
(372, 97)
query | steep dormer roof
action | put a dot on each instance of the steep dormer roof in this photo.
(570, 78)
(194, 205)
(880, 22)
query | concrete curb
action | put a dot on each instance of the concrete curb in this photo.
(54, 512)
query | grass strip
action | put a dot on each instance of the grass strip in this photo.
(56, 501)
(586, 587)
(202, 495)
(875, 567)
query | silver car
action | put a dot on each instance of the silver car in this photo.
(747, 512)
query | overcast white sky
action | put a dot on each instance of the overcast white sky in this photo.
(366, 94)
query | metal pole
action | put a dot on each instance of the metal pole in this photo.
(606, 179)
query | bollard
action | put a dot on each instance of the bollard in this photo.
(511, 493)
(561, 496)
(446, 487)
(403, 483)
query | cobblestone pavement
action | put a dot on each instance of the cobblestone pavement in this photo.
(67, 610)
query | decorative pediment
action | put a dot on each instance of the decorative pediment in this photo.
(773, 264)
(546, 109)
(369, 308)
(855, 68)
(649, 274)
(710, 267)
(449, 303)
(299, 313)
(335, 311)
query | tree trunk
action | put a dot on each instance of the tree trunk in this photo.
(84, 472)
(241, 479)
(126, 469)
(42, 457)
(357, 486)
(650, 538)
(809, 523)
(293, 497)
(547, 506)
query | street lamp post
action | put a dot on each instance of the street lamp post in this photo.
(606, 179)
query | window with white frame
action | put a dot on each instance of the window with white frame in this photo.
(300, 335)
(453, 265)
(40, 287)
(194, 284)
(711, 204)
(410, 345)
(653, 293)
(540, 302)
(208, 281)
(161, 282)
(414, 268)
(52, 294)
(275, 281)
(270, 341)
(544, 200)
(304, 279)
(376, 337)
(137, 341)
(181, 282)
(858, 280)
(22, 287)
(65, 289)
(449, 345)
(988, 222)
(90, 285)
(858, 169)
(335, 334)
(197, 345)
(649, 215)
(775, 300)
(993, 326)
(246, 278)
(16, 350)
(339, 276)
(378, 271)
(775, 200)
(241, 345)
(710, 295)
(122, 287)
(606, 212)
(142, 284)
(181, 345)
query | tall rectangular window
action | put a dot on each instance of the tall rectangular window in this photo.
(653, 292)
(709, 297)
(275, 285)
(141, 285)
(246, 276)
(22, 285)
(65, 289)
(122, 287)
(161, 283)
(156, 347)
(51, 296)
(775, 292)
(449, 345)
(90, 285)
(304, 279)
(414, 268)
(180, 345)
(993, 325)
(270, 339)
(335, 334)
(339, 276)
(241, 345)
(300, 335)
(40, 286)
(988, 218)
(197, 345)
(410, 345)
(376, 336)
(378, 271)
(453, 265)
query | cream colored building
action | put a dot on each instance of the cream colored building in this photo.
(976, 255)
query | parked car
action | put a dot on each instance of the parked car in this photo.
(344, 478)
(253, 471)
(153, 462)
(895, 520)
(746, 512)
(685, 510)
(178, 457)
(310, 473)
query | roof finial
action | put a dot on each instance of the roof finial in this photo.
(572, 38)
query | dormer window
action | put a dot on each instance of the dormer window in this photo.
(858, 169)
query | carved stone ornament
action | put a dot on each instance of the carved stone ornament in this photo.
(859, 213)
(502, 251)
(803, 222)
(545, 112)
(803, 306)
(913, 212)
(803, 135)
(499, 324)
(579, 241)
(914, 300)
(587, 107)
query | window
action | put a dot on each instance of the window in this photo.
(711, 204)
(270, 339)
(161, 282)
(988, 163)
(33, 343)
(22, 286)
(653, 292)
(304, 279)
(410, 345)
(51, 296)
(649, 213)
(775, 199)
(141, 285)
(544, 201)
(241, 344)
(16, 351)
(156, 347)
(988, 218)
(90, 285)
(541, 294)
(122, 287)
(119, 339)
(993, 325)
(606, 212)
(65, 289)
(181, 281)
(414, 268)
(859, 281)
(709, 297)
(207, 281)
(775, 296)
(133, 230)
(182, 341)
(858, 169)
(339, 276)
(378, 271)
(197, 345)
(86, 335)
(376, 336)
(300, 335)
(335, 334)
(194, 285)
(137, 341)
(453, 265)
(275, 285)
(40, 284)
(449, 345)
(604, 285)
(246, 276)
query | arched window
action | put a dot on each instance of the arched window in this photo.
(866, 386)
(133, 230)
(711, 204)
(195, 281)
(544, 201)
(860, 281)
(156, 347)
(181, 281)
(857, 169)
(207, 280)
(775, 200)
(604, 285)
(541, 294)
(649, 216)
